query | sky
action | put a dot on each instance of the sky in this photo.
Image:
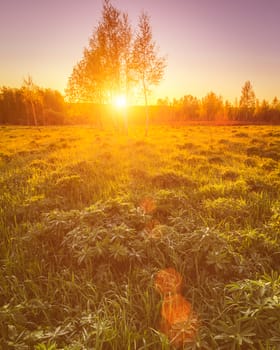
(210, 45)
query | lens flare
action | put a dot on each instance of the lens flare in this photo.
(168, 281)
(148, 205)
(178, 321)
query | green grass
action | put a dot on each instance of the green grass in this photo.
(78, 253)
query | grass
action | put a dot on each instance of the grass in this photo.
(88, 217)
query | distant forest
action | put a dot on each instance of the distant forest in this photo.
(32, 105)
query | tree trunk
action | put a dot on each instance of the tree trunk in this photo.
(146, 108)
(34, 113)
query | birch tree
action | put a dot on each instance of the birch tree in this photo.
(102, 72)
(148, 66)
(247, 102)
(32, 97)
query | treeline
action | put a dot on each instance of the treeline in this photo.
(32, 105)
(212, 108)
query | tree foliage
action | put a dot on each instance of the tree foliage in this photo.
(148, 66)
(32, 97)
(114, 61)
(212, 106)
(31, 105)
(247, 100)
(103, 72)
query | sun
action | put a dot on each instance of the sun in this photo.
(120, 101)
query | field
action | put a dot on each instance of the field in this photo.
(89, 217)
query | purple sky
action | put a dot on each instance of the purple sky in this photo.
(211, 45)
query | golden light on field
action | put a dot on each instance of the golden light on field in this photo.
(120, 101)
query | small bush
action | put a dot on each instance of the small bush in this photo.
(223, 141)
(236, 189)
(230, 175)
(228, 209)
(259, 184)
(253, 151)
(241, 134)
(270, 165)
(196, 160)
(271, 154)
(252, 322)
(171, 180)
(216, 160)
(187, 146)
(251, 162)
